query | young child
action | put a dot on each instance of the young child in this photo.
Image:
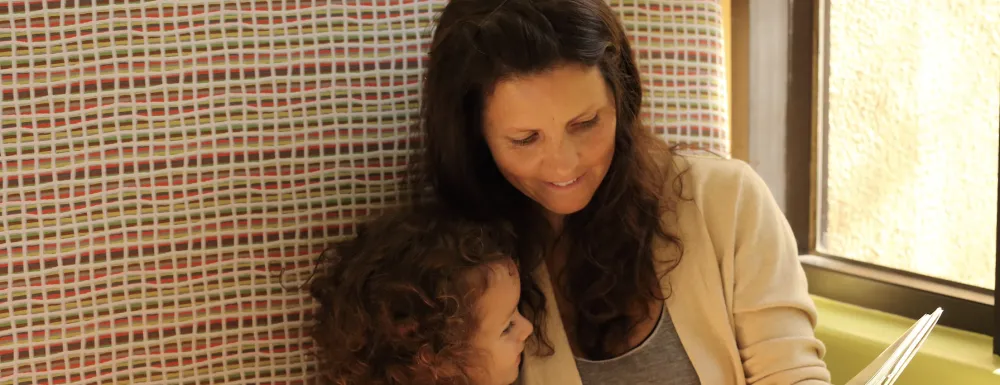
(420, 297)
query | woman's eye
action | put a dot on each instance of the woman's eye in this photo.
(525, 141)
(590, 123)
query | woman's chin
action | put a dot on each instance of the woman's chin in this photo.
(568, 203)
(565, 207)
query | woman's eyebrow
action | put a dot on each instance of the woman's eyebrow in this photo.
(590, 110)
(587, 112)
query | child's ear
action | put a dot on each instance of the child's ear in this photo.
(435, 367)
(406, 328)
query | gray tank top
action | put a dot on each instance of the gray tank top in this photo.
(659, 360)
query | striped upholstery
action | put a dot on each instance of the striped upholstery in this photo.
(168, 170)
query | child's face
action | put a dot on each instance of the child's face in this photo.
(503, 329)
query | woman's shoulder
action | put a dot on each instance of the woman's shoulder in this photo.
(708, 176)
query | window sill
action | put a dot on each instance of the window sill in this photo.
(854, 336)
(893, 292)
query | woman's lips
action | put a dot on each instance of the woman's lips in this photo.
(566, 184)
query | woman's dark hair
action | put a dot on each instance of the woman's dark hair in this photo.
(610, 273)
(396, 302)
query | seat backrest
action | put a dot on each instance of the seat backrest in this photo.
(169, 170)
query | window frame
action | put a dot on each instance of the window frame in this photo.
(778, 55)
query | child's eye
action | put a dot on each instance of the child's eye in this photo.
(510, 326)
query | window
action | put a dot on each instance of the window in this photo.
(908, 179)
(876, 124)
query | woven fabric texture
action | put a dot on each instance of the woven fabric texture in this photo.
(169, 170)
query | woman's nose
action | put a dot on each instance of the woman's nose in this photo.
(564, 158)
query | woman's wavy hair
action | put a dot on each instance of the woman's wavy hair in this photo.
(396, 302)
(610, 273)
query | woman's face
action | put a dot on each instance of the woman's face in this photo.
(552, 134)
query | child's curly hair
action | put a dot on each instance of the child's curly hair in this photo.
(396, 302)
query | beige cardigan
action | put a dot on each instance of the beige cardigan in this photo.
(739, 299)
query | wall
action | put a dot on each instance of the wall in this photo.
(736, 15)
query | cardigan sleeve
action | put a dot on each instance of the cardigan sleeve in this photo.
(774, 317)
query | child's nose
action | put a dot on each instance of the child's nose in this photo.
(527, 330)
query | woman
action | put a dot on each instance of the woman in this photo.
(651, 268)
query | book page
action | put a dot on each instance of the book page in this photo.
(912, 351)
(890, 363)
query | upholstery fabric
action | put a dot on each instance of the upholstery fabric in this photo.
(170, 170)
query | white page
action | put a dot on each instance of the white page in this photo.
(882, 368)
(896, 353)
(912, 352)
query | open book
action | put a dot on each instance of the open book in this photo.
(890, 364)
